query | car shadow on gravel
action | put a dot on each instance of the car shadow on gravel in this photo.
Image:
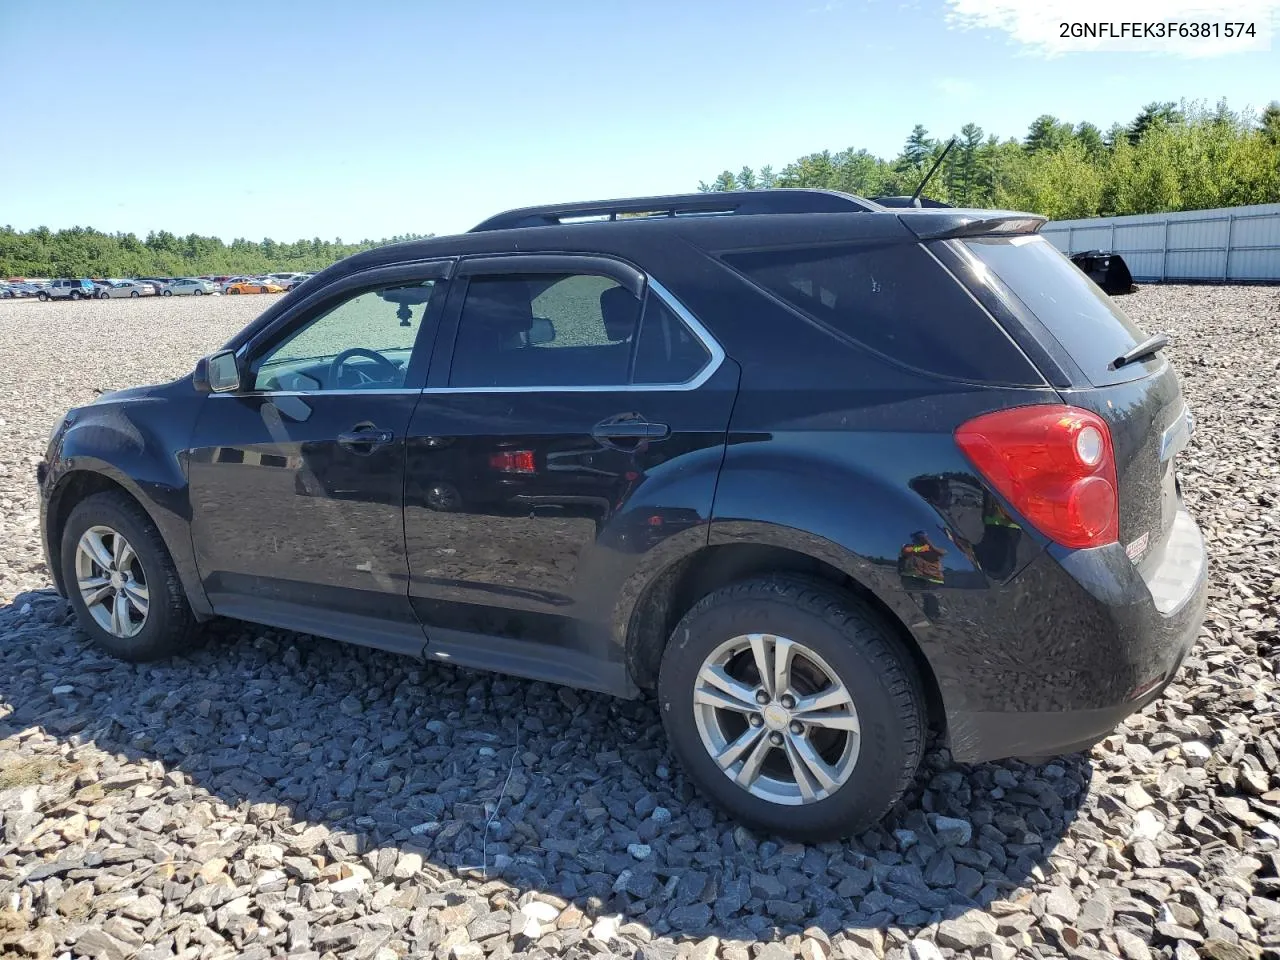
(487, 777)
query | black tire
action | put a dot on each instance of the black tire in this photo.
(865, 653)
(232, 291)
(169, 628)
(75, 294)
(168, 293)
(134, 293)
(197, 293)
(42, 297)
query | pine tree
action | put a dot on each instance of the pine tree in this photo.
(1090, 137)
(747, 179)
(1152, 115)
(967, 163)
(918, 150)
(1270, 122)
(1047, 132)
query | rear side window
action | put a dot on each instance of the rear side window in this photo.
(667, 351)
(544, 331)
(894, 299)
(1072, 307)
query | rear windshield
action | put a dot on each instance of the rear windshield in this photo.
(897, 300)
(1072, 307)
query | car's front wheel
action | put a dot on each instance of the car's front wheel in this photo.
(794, 706)
(42, 297)
(122, 582)
(168, 293)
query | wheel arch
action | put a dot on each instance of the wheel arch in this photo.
(87, 479)
(674, 590)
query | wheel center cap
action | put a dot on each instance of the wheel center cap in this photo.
(117, 579)
(776, 717)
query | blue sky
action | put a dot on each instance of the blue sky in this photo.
(298, 119)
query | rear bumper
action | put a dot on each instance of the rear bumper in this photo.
(1110, 642)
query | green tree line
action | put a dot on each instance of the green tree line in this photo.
(1170, 157)
(85, 252)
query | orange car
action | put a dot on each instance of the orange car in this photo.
(254, 286)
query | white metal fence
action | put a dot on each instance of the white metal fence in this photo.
(1234, 243)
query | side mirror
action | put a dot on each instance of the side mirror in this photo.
(541, 330)
(217, 373)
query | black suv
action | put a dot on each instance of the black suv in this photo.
(818, 474)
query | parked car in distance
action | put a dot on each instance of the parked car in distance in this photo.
(253, 286)
(295, 280)
(157, 285)
(69, 290)
(125, 288)
(818, 475)
(189, 286)
(230, 280)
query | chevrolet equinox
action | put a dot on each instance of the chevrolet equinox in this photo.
(819, 475)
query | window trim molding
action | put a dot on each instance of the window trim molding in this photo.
(708, 370)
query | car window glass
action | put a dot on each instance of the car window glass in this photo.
(894, 298)
(668, 351)
(372, 333)
(544, 330)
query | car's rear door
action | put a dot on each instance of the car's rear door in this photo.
(297, 479)
(571, 431)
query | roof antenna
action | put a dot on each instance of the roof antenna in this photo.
(915, 197)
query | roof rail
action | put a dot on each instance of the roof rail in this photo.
(736, 202)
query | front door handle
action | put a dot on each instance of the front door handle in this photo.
(365, 438)
(630, 430)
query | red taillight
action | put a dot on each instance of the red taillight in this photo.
(512, 461)
(1055, 464)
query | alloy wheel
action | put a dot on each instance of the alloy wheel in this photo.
(776, 719)
(111, 581)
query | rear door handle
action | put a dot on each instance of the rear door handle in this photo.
(630, 430)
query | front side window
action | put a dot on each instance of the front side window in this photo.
(363, 342)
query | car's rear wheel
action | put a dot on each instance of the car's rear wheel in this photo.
(197, 293)
(122, 582)
(134, 293)
(75, 294)
(794, 706)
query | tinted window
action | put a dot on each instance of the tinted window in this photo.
(1085, 320)
(544, 330)
(668, 351)
(382, 325)
(895, 299)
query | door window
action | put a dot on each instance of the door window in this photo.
(569, 330)
(363, 342)
(544, 330)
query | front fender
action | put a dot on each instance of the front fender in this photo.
(139, 445)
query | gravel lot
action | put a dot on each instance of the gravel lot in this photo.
(276, 794)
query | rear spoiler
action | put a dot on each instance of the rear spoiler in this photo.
(946, 224)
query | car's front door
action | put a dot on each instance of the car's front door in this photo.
(573, 422)
(297, 478)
